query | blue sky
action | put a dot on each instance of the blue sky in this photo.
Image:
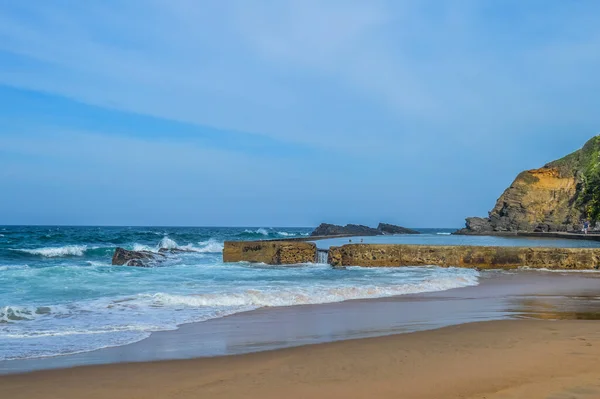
(286, 113)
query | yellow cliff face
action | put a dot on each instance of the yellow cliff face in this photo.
(537, 197)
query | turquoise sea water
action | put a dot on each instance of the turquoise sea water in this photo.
(60, 295)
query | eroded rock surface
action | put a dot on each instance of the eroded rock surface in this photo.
(270, 252)
(395, 255)
(135, 258)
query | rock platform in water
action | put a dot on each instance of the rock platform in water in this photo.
(398, 255)
(394, 255)
(270, 252)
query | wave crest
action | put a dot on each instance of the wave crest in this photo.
(254, 298)
(55, 252)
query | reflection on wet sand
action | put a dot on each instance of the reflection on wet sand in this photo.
(576, 307)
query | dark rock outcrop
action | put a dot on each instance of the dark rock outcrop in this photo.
(326, 229)
(476, 225)
(135, 258)
(554, 198)
(385, 228)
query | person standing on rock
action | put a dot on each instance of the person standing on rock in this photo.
(586, 226)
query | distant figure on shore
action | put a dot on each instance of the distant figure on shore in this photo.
(586, 226)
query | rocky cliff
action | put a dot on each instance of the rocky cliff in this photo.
(555, 197)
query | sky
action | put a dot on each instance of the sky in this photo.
(286, 113)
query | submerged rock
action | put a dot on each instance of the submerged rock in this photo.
(385, 228)
(554, 198)
(124, 257)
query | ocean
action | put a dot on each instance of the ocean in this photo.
(60, 295)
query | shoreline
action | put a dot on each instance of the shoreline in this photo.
(494, 359)
(593, 236)
(499, 295)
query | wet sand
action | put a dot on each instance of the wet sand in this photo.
(499, 359)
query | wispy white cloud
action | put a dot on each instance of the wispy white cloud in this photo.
(262, 66)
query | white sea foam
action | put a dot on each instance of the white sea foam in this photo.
(544, 269)
(261, 230)
(9, 314)
(86, 325)
(54, 252)
(443, 234)
(210, 246)
(142, 247)
(285, 234)
(166, 242)
(95, 263)
(253, 298)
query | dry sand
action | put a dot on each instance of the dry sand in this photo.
(499, 359)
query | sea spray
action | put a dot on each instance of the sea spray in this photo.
(53, 252)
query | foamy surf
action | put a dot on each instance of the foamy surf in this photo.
(208, 246)
(85, 324)
(53, 252)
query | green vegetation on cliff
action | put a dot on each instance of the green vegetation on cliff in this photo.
(589, 191)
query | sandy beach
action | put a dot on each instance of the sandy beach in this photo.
(540, 339)
(501, 359)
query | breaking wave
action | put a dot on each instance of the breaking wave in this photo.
(261, 231)
(253, 299)
(209, 246)
(54, 252)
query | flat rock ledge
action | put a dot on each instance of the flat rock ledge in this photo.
(396, 255)
(270, 252)
(399, 255)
